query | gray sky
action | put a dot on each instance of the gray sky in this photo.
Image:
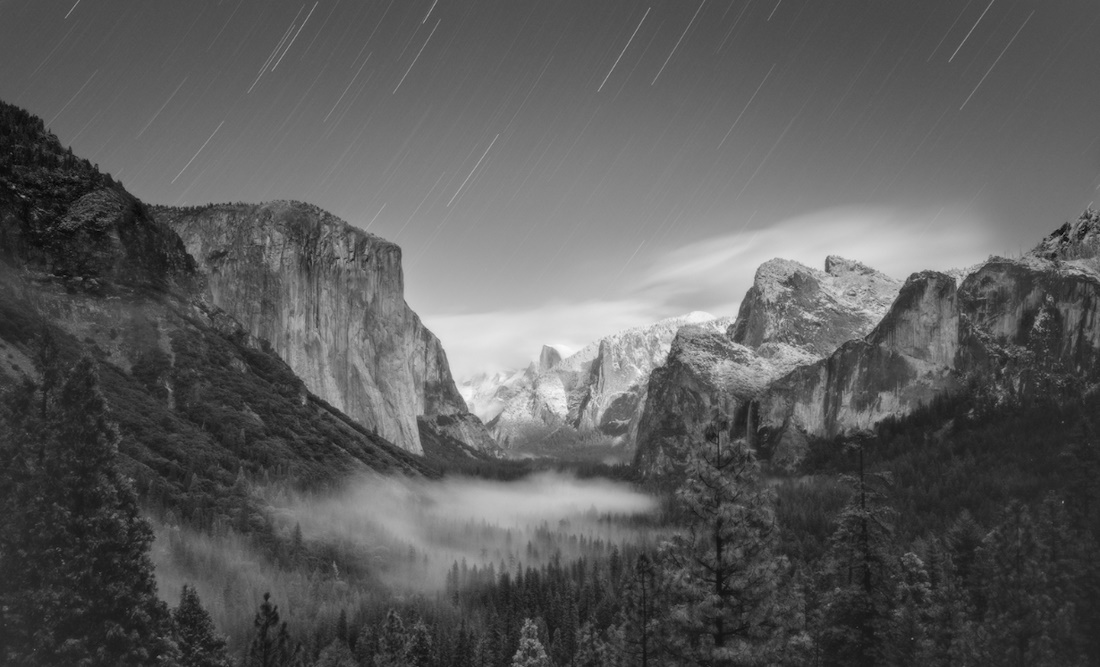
(559, 170)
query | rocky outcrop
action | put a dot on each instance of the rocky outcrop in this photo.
(791, 317)
(330, 299)
(903, 363)
(201, 406)
(598, 390)
(1014, 327)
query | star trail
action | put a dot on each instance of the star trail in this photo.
(538, 161)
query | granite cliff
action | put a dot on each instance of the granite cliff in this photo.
(87, 271)
(330, 299)
(1011, 328)
(792, 316)
(856, 350)
(600, 389)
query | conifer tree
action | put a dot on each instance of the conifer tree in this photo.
(643, 605)
(724, 566)
(861, 578)
(1029, 613)
(271, 646)
(78, 585)
(418, 649)
(530, 652)
(392, 642)
(199, 644)
(336, 654)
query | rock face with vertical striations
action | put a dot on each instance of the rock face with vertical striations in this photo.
(791, 317)
(87, 271)
(597, 391)
(330, 299)
(1013, 328)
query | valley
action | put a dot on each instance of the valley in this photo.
(232, 406)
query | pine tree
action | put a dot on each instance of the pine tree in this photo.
(530, 652)
(909, 643)
(724, 567)
(643, 605)
(78, 585)
(1029, 614)
(861, 573)
(336, 654)
(418, 648)
(271, 646)
(199, 644)
(392, 641)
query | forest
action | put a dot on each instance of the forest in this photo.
(963, 534)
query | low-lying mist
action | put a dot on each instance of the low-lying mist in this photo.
(377, 538)
(406, 523)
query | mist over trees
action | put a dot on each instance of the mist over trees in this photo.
(848, 566)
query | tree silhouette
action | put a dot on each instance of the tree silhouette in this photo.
(78, 585)
(726, 573)
(199, 644)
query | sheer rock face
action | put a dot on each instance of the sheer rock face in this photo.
(1014, 327)
(330, 299)
(907, 360)
(791, 317)
(599, 389)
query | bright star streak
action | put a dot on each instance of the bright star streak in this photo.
(417, 56)
(773, 11)
(434, 2)
(746, 106)
(199, 151)
(473, 170)
(295, 36)
(348, 88)
(971, 30)
(997, 60)
(624, 49)
(375, 217)
(678, 42)
(50, 122)
(161, 108)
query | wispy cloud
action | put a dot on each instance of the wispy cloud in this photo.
(511, 338)
(713, 274)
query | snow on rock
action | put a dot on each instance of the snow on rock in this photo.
(791, 317)
(600, 388)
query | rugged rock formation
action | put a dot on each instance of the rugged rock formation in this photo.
(599, 389)
(87, 271)
(330, 299)
(1013, 327)
(791, 317)
(902, 364)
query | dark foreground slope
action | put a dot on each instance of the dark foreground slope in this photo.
(86, 270)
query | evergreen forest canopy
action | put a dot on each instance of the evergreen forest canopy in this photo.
(859, 561)
(139, 527)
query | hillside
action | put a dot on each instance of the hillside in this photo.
(86, 270)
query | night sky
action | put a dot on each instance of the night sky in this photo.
(559, 170)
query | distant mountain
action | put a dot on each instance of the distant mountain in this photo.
(330, 300)
(598, 390)
(1010, 328)
(816, 355)
(792, 316)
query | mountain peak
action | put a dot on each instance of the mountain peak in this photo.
(548, 358)
(1079, 239)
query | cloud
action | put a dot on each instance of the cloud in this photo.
(456, 518)
(512, 338)
(713, 274)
